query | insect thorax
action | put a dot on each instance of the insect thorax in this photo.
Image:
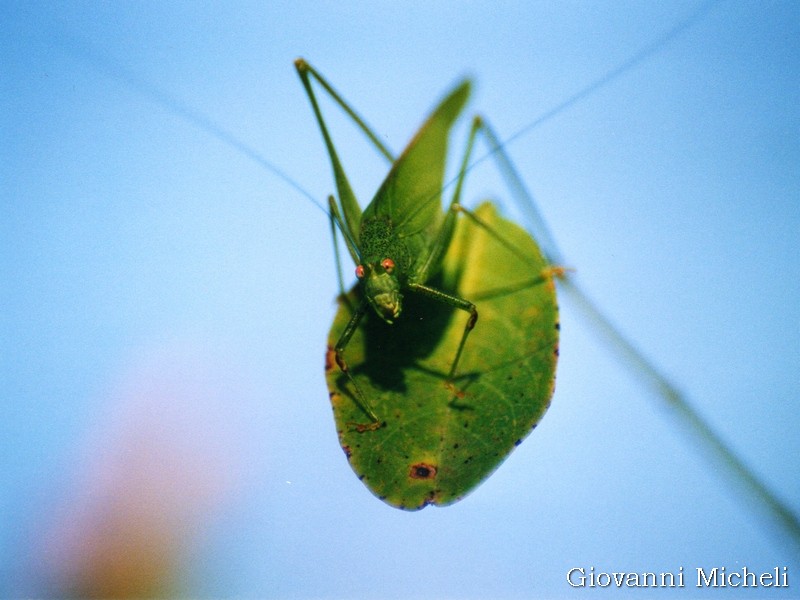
(379, 241)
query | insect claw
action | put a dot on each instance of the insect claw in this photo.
(362, 427)
(454, 390)
(557, 272)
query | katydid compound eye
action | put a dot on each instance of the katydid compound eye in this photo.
(388, 264)
(360, 271)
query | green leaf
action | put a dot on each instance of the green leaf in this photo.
(434, 445)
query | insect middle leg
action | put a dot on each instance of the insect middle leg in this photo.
(457, 302)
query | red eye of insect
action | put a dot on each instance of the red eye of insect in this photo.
(388, 264)
(360, 271)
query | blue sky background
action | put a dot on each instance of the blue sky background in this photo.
(166, 299)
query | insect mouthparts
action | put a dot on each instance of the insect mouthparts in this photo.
(387, 305)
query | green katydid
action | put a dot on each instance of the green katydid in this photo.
(431, 443)
(447, 400)
(748, 484)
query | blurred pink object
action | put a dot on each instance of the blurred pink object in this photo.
(152, 475)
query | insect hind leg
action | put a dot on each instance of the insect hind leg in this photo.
(519, 191)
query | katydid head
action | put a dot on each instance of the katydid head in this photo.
(382, 288)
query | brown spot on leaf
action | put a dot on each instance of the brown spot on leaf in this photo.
(330, 359)
(422, 471)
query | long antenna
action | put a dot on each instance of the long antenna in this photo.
(649, 50)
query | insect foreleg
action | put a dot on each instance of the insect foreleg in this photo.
(457, 302)
(348, 332)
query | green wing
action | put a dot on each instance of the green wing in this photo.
(410, 196)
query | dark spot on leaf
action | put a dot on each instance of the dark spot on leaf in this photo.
(558, 325)
(422, 471)
(518, 442)
(556, 351)
(455, 446)
(347, 451)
